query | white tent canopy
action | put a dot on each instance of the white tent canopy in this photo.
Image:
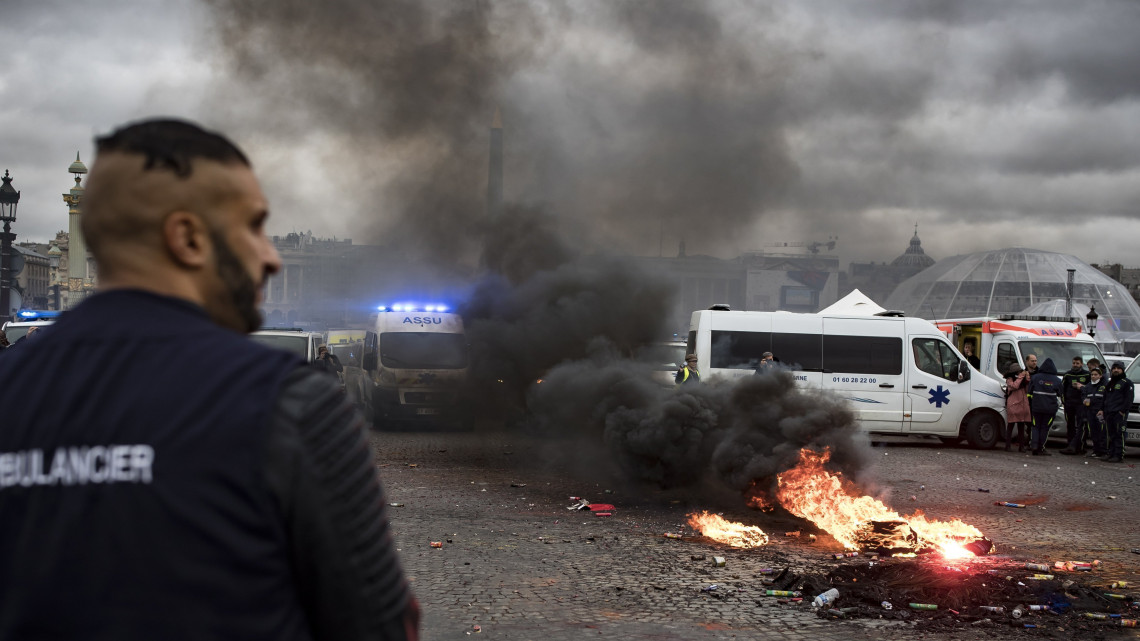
(854, 304)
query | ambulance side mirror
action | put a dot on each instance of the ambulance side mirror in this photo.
(963, 371)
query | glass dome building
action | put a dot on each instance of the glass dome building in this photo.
(1011, 281)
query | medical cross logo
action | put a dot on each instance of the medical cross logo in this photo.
(940, 397)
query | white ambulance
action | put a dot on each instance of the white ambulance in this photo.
(1003, 341)
(900, 375)
(416, 363)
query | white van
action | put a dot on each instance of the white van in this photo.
(416, 362)
(901, 375)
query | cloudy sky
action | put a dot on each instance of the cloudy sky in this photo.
(731, 124)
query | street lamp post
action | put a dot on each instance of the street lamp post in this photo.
(1091, 318)
(9, 198)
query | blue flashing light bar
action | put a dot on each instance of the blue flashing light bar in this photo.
(37, 314)
(413, 307)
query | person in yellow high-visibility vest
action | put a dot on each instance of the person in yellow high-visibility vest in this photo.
(688, 374)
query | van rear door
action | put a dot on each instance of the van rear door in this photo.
(863, 362)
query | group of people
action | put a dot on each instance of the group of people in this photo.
(688, 374)
(1096, 407)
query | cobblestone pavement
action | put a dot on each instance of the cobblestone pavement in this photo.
(519, 565)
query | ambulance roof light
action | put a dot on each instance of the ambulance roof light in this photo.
(37, 314)
(414, 307)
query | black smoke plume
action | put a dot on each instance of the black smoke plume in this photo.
(670, 126)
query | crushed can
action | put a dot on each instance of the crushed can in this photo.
(765, 571)
(718, 561)
(1038, 608)
(1040, 577)
(1119, 584)
(1113, 595)
(672, 535)
(923, 606)
(1099, 616)
(1038, 567)
(437, 544)
(1017, 612)
(887, 605)
(1127, 623)
(786, 593)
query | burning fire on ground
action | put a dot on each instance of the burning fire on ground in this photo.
(857, 521)
(737, 535)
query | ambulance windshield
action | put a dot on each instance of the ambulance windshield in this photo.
(423, 350)
(1062, 352)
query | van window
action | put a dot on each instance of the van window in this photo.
(935, 357)
(737, 350)
(802, 352)
(1005, 358)
(691, 348)
(862, 354)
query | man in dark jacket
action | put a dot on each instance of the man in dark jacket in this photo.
(327, 362)
(161, 475)
(1117, 403)
(1093, 400)
(1044, 388)
(1071, 384)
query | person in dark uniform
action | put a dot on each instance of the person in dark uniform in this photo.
(161, 475)
(1044, 387)
(688, 374)
(1071, 384)
(1117, 403)
(767, 363)
(327, 362)
(1093, 400)
(968, 352)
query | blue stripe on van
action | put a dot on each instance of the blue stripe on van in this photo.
(865, 400)
(990, 394)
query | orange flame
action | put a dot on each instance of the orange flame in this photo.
(737, 535)
(834, 505)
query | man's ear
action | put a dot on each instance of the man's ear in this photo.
(187, 239)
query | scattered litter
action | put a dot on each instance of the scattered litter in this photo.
(913, 497)
(887, 605)
(795, 534)
(582, 504)
(476, 629)
(413, 464)
(697, 557)
(844, 555)
(718, 561)
(791, 593)
(811, 538)
(1119, 584)
(602, 514)
(983, 490)
(1111, 497)
(825, 598)
(518, 484)
(671, 535)
(601, 507)
(396, 504)
(712, 588)
(1007, 504)
(437, 544)
(923, 606)
(1041, 567)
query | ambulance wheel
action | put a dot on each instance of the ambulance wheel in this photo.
(982, 431)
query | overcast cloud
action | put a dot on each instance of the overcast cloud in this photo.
(732, 124)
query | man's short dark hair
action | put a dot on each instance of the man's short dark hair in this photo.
(171, 144)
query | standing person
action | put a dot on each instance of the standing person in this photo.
(327, 362)
(688, 374)
(1071, 384)
(1044, 388)
(1017, 412)
(767, 363)
(968, 352)
(1093, 400)
(1117, 402)
(3, 340)
(163, 476)
(1031, 364)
